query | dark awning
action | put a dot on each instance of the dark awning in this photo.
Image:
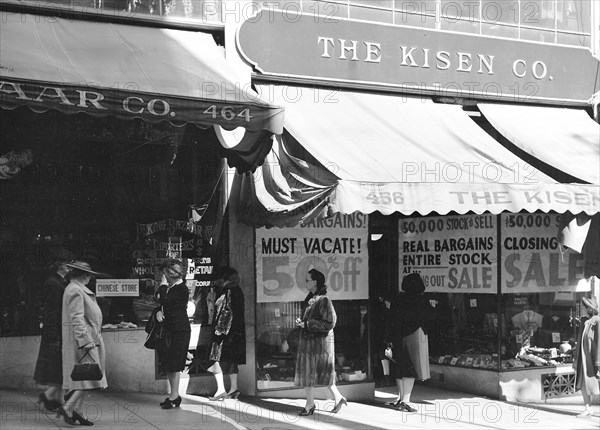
(126, 71)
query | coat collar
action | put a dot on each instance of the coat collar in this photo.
(83, 287)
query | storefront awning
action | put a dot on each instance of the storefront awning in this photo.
(565, 139)
(126, 71)
(370, 152)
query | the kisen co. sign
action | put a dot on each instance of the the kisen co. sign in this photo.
(368, 55)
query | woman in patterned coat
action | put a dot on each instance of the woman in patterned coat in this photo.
(315, 362)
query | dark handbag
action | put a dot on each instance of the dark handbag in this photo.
(159, 338)
(86, 371)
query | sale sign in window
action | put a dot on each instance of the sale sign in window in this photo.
(335, 246)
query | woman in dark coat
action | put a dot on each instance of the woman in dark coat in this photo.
(173, 298)
(409, 312)
(48, 370)
(228, 348)
(587, 356)
(315, 361)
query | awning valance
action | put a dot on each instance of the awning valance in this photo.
(566, 139)
(371, 152)
(126, 71)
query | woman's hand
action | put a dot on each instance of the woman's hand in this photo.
(89, 347)
(160, 316)
(300, 323)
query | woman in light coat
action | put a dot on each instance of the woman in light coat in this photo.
(82, 322)
(587, 356)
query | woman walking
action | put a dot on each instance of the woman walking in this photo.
(315, 362)
(587, 356)
(228, 349)
(173, 298)
(48, 369)
(408, 313)
(82, 322)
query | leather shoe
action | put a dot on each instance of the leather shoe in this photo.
(339, 405)
(170, 404)
(219, 397)
(304, 412)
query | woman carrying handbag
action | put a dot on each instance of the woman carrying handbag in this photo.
(81, 325)
(228, 348)
(173, 297)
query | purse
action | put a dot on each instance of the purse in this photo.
(86, 371)
(215, 351)
(225, 317)
(159, 337)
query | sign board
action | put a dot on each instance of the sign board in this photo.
(117, 287)
(335, 246)
(415, 60)
(453, 254)
(532, 259)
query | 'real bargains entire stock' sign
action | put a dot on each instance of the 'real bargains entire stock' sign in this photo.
(460, 254)
(336, 246)
(421, 61)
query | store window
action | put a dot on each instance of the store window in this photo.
(536, 20)
(278, 338)
(335, 246)
(202, 11)
(115, 193)
(505, 293)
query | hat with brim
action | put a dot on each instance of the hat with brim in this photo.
(590, 302)
(83, 266)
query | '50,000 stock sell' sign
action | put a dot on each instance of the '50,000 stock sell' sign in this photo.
(453, 254)
(336, 246)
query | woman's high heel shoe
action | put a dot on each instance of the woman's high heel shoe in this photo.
(339, 405)
(304, 412)
(169, 404)
(51, 405)
(234, 395)
(81, 420)
(220, 397)
(69, 420)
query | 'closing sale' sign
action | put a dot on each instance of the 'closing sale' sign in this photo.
(453, 254)
(532, 259)
(336, 246)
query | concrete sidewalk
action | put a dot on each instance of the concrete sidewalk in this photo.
(437, 408)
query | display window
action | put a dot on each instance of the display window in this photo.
(278, 337)
(504, 290)
(337, 247)
(115, 193)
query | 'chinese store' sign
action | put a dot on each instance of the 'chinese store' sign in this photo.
(336, 246)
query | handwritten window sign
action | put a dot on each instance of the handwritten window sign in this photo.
(533, 261)
(336, 246)
(117, 287)
(453, 254)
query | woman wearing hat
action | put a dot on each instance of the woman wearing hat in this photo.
(48, 369)
(409, 312)
(587, 355)
(82, 322)
(174, 297)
